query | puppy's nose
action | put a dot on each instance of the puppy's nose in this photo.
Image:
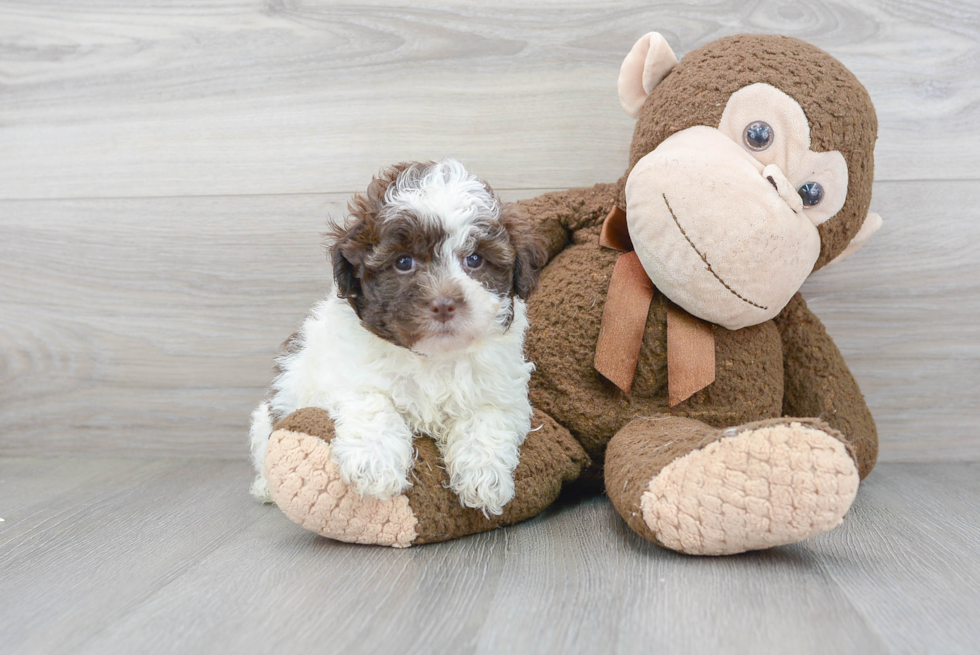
(443, 309)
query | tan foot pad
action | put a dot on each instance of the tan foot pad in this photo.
(306, 485)
(761, 488)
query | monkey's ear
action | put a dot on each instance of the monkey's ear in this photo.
(644, 67)
(871, 224)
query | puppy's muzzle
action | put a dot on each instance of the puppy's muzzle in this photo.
(443, 309)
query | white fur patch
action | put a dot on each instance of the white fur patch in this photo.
(258, 435)
(445, 193)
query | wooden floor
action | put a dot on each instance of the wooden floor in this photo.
(170, 556)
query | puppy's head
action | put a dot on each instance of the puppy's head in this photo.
(430, 260)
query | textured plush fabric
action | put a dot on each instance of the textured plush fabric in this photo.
(559, 214)
(690, 341)
(640, 451)
(837, 106)
(700, 490)
(550, 457)
(566, 313)
(871, 225)
(768, 486)
(818, 383)
(309, 420)
(703, 216)
(306, 485)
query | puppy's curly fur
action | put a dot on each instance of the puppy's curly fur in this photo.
(425, 335)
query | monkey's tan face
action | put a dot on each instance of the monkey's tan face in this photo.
(724, 220)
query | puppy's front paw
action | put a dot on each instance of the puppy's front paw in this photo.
(372, 468)
(487, 488)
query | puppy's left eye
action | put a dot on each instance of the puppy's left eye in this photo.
(404, 264)
(473, 261)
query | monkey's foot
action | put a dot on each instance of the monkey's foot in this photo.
(305, 482)
(758, 486)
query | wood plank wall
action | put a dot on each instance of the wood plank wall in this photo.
(166, 169)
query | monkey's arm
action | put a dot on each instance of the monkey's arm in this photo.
(556, 215)
(817, 382)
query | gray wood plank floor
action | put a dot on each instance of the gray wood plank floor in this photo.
(108, 556)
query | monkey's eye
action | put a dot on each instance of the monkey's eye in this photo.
(757, 136)
(811, 193)
(405, 264)
(473, 261)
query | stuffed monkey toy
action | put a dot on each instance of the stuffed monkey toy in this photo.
(676, 360)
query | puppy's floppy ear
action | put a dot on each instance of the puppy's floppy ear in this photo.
(351, 242)
(346, 277)
(532, 252)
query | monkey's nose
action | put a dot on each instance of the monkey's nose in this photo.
(443, 309)
(774, 175)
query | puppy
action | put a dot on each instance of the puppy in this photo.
(424, 336)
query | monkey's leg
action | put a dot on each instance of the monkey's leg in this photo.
(819, 383)
(306, 485)
(695, 489)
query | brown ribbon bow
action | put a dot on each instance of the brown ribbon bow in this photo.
(690, 341)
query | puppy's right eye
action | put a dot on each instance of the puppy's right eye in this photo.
(405, 264)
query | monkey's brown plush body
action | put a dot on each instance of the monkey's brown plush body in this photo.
(770, 451)
(785, 367)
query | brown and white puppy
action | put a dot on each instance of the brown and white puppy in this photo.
(424, 335)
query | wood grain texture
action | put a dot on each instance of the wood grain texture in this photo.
(103, 537)
(148, 326)
(170, 556)
(149, 323)
(234, 96)
(912, 529)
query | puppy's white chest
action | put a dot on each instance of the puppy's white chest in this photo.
(436, 396)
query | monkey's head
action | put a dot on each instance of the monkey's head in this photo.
(751, 166)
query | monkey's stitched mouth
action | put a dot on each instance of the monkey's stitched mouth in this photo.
(705, 259)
